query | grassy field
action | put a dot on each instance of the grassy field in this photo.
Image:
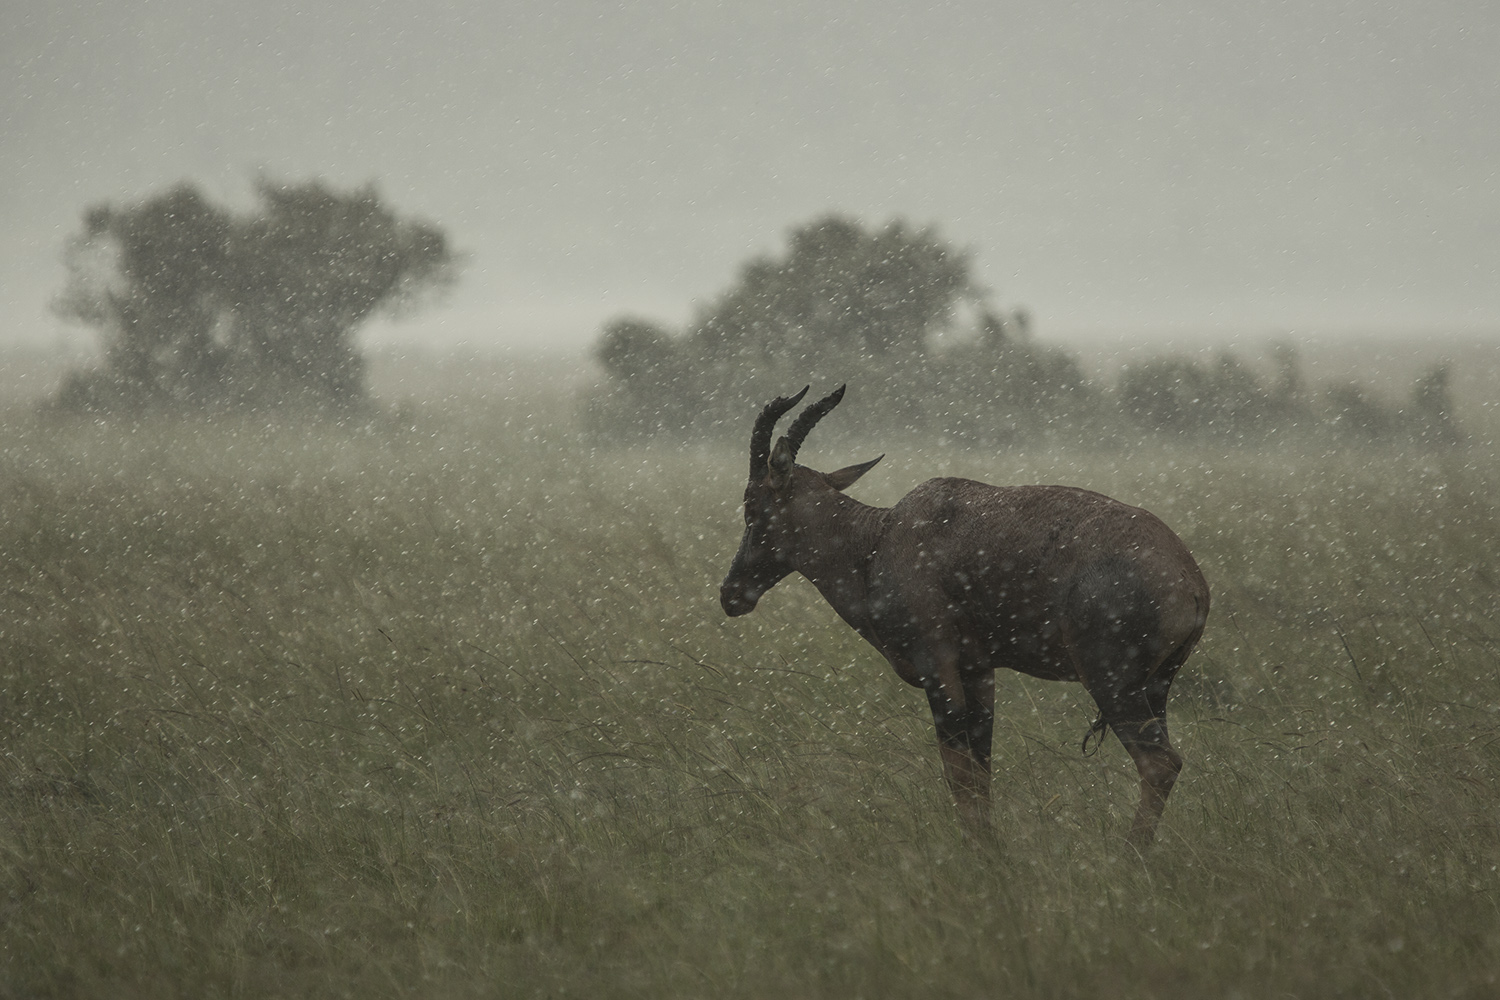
(446, 707)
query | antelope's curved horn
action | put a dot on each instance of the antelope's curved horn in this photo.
(765, 424)
(808, 418)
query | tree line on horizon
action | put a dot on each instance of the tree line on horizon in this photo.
(202, 308)
(897, 307)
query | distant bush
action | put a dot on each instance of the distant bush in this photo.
(1353, 412)
(1168, 394)
(1182, 396)
(200, 307)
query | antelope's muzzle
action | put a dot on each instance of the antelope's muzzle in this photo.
(736, 599)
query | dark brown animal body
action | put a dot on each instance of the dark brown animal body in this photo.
(960, 578)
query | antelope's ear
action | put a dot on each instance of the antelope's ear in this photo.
(849, 475)
(782, 462)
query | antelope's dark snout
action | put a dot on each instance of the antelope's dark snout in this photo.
(754, 571)
(743, 584)
(737, 599)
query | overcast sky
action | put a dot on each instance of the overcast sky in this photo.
(1231, 167)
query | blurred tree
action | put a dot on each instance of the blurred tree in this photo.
(635, 350)
(1432, 408)
(199, 306)
(1239, 401)
(149, 277)
(314, 265)
(840, 289)
(1167, 394)
(1288, 391)
(651, 388)
(994, 331)
(1353, 412)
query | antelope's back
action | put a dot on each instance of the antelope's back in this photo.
(1013, 559)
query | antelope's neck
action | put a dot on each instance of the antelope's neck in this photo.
(837, 536)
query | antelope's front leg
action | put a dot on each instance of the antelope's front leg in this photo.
(963, 712)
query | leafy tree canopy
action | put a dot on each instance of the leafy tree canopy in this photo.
(634, 349)
(840, 288)
(199, 305)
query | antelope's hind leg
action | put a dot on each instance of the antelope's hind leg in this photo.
(1155, 759)
(1133, 703)
(1125, 668)
(1142, 730)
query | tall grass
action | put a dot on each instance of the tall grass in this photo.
(447, 708)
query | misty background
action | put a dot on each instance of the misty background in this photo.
(391, 659)
(1136, 171)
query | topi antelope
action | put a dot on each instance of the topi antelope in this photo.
(960, 578)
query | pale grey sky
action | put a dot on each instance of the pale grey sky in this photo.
(1232, 167)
